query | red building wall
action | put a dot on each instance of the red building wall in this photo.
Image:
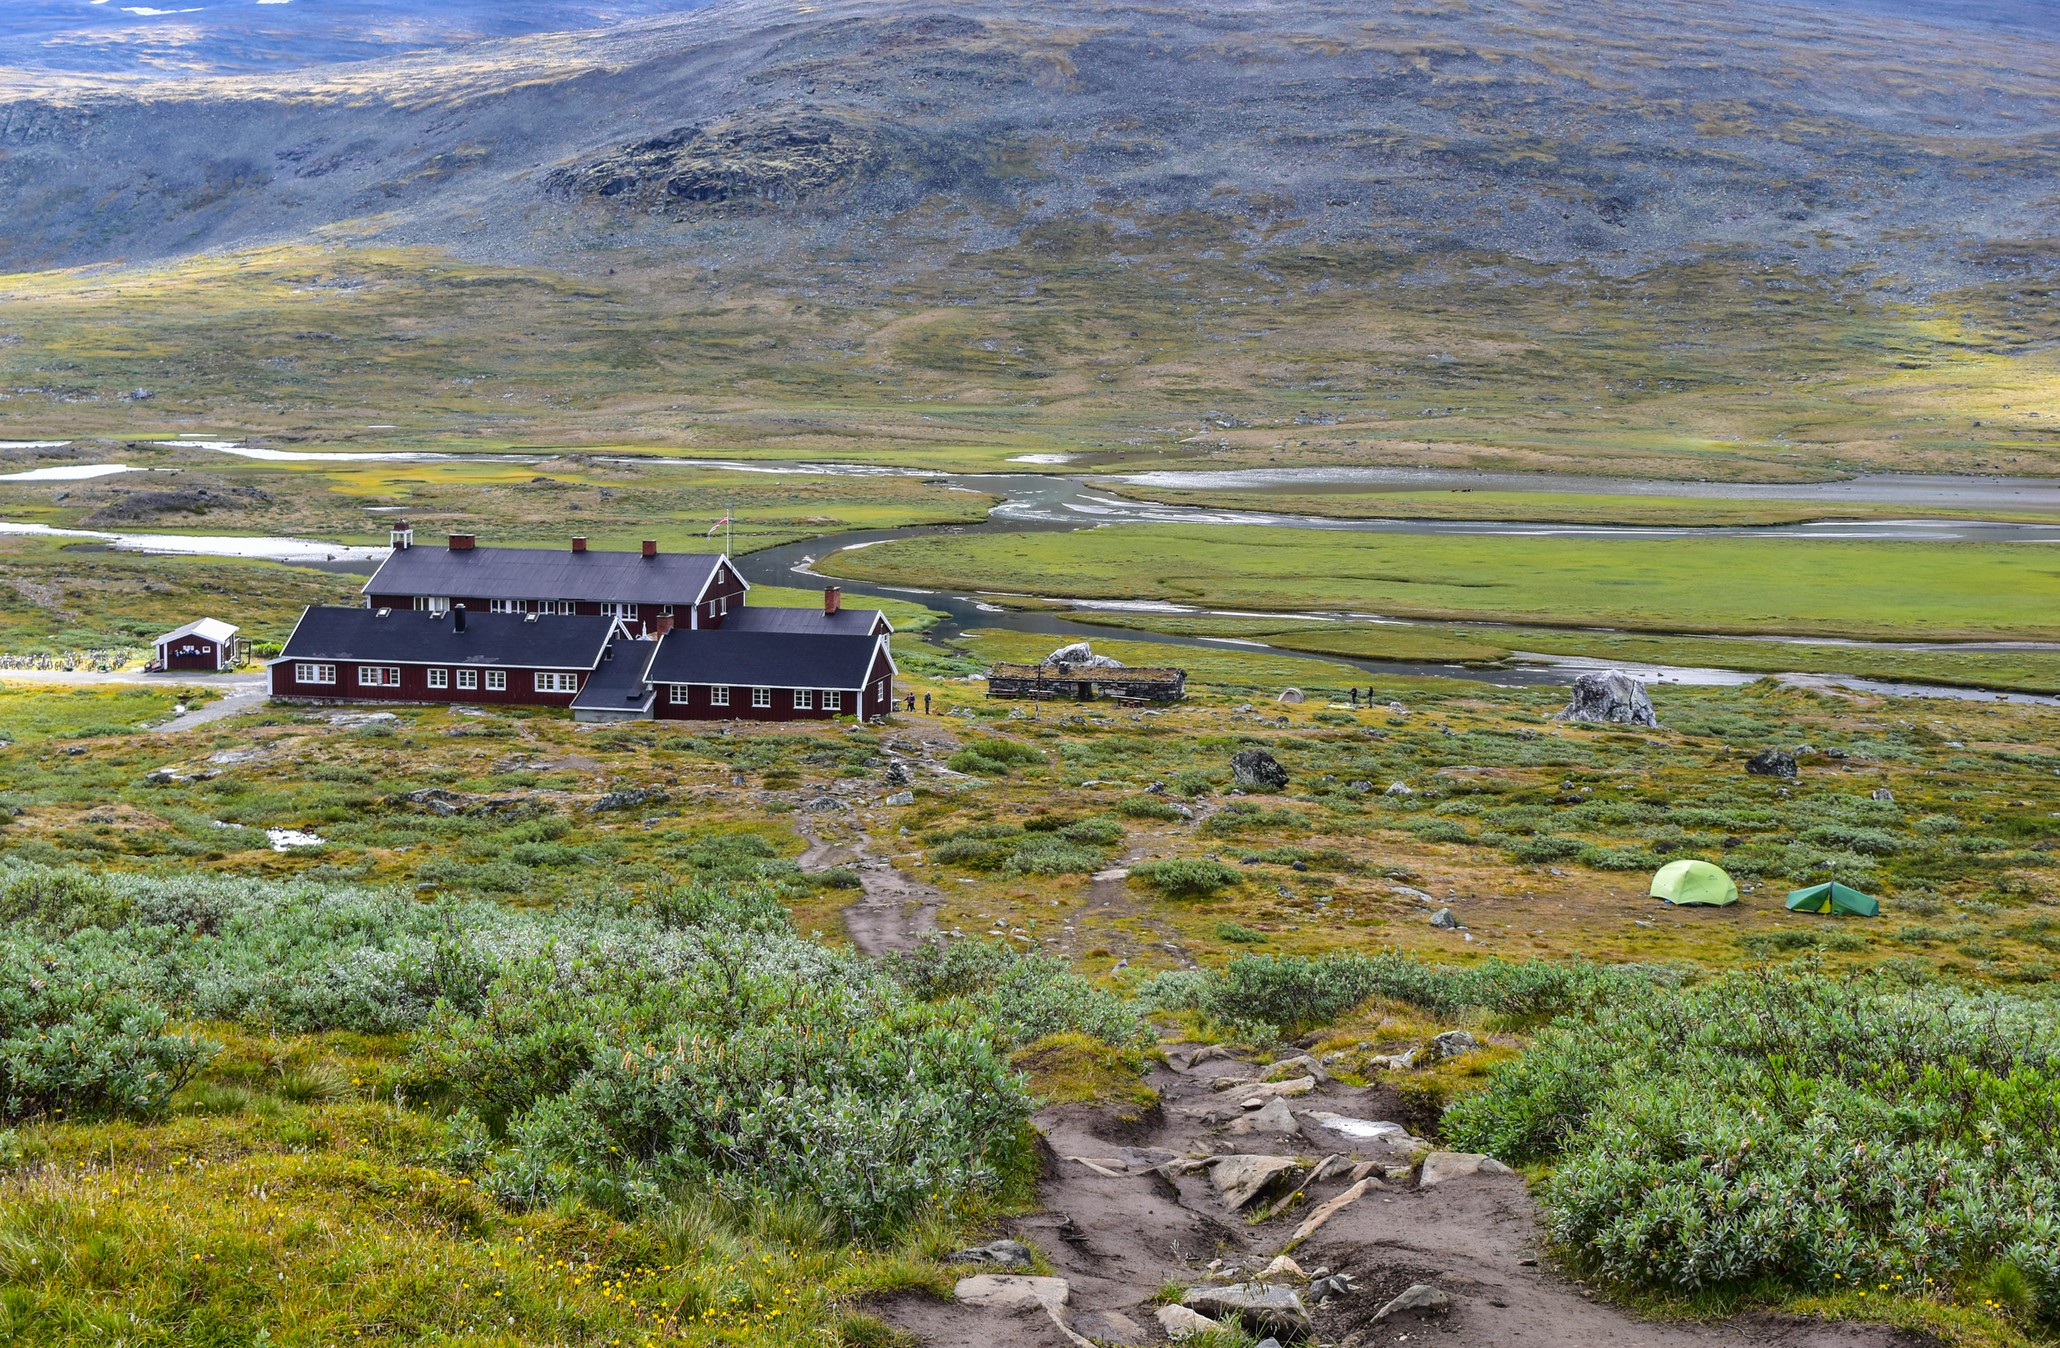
(865, 703)
(414, 686)
(192, 653)
(646, 613)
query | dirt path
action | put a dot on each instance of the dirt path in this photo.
(896, 910)
(1135, 1215)
(239, 692)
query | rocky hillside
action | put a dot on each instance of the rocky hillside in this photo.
(1851, 140)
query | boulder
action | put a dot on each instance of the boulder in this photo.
(629, 798)
(1009, 1291)
(1257, 768)
(1241, 1179)
(1397, 709)
(1609, 697)
(902, 798)
(1451, 1044)
(1282, 1269)
(1323, 1291)
(1883, 793)
(1179, 1322)
(1080, 655)
(1259, 1092)
(1276, 1117)
(1399, 789)
(1000, 1253)
(1261, 1309)
(1419, 1300)
(1772, 763)
(1444, 920)
(1441, 1166)
(1292, 696)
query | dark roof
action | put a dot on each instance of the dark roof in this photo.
(406, 637)
(546, 573)
(618, 683)
(758, 618)
(764, 659)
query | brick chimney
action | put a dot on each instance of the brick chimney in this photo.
(833, 599)
(579, 545)
(463, 542)
(650, 547)
(659, 626)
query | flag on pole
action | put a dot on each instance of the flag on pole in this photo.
(717, 525)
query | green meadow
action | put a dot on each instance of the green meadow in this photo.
(1707, 585)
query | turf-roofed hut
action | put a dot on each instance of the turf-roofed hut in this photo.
(401, 655)
(1083, 683)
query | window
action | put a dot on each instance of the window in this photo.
(722, 605)
(421, 603)
(557, 683)
(804, 699)
(497, 681)
(439, 678)
(314, 673)
(719, 696)
(468, 678)
(379, 676)
(665, 610)
(612, 609)
(761, 697)
(832, 700)
(681, 694)
(504, 605)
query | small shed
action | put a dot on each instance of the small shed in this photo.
(209, 644)
(1083, 683)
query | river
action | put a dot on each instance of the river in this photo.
(1056, 501)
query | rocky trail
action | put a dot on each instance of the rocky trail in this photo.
(1386, 1240)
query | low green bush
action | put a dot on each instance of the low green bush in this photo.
(1148, 807)
(993, 757)
(1789, 1129)
(1186, 877)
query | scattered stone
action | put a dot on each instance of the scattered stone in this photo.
(1268, 1342)
(1209, 1053)
(1323, 1212)
(1443, 920)
(1441, 1166)
(1397, 709)
(1281, 1269)
(1001, 1253)
(1399, 789)
(1299, 1065)
(897, 773)
(1102, 1168)
(1257, 768)
(1610, 697)
(1276, 1117)
(1008, 1291)
(1261, 1309)
(1179, 1322)
(1323, 1291)
(902, 798)
(362, 718)
(1420, 1299)
(1241, 1179)
(1772, 763)
(1260, 1092)
(629, 798)
(1183, 811)
(1883, 793)
(161, 777)
(1292, 696)
(1081, 655)
(1452, 1044)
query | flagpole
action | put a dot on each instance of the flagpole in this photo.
(729, 535)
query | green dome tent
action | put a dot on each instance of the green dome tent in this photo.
(1833, 898)
(1688, 882)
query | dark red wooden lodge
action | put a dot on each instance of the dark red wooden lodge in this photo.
(613, 636)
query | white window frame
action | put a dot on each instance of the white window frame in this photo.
(468, 679)
(504, 606)
(439, 678)
(616, 609)
(680, 693)
(497, 681)
(804, 699)
(833, 699)
(553, 681)
(314, 673)
(761, 697)
(718, 695)
(421, 603)
(665, 611)
(379, 676)
(722, 605)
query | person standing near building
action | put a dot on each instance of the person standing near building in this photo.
(926, 704)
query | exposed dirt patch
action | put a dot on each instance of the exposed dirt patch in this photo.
(896, 910)
(1123, 1217)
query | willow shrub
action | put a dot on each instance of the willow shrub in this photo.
(1784, 1126)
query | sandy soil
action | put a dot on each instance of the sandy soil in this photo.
(1119, 1239)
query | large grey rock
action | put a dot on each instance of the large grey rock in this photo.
(1420, 1299)
(1609, 697)
(1260, 1308)
(1257, 768)
(1008, 1291)
(1442, 1166)
(1276, 1117)
(1451, 1044)
(1080, 655)
(1179, 1322)
(1444, 920)
(1772, 763)
(1240, 1179)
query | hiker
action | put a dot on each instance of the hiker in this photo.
(911, 701)
(926, 704)
(1355, 696)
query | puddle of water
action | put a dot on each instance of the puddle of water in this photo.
(215, 545)
(33, 444)
(72, 472)
(1043, 458)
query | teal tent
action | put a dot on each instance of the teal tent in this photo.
(1833, 898)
